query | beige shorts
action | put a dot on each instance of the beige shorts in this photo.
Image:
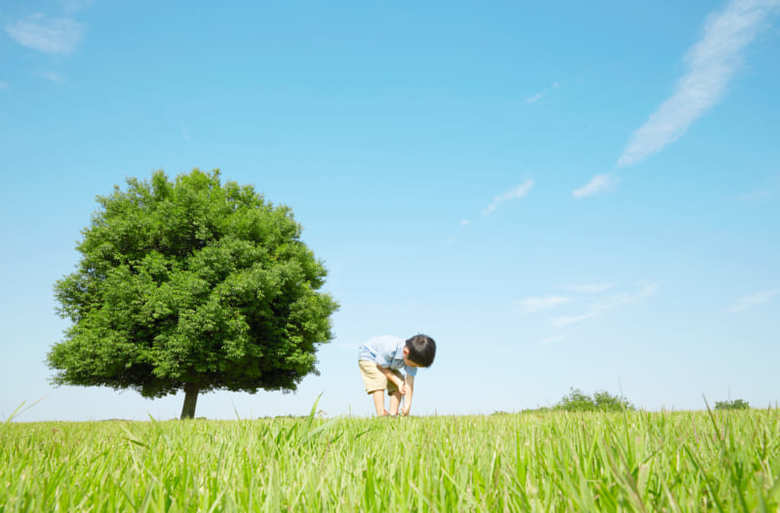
(374, 379)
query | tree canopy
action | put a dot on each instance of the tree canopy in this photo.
(191, 284)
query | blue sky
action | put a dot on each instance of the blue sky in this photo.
(564, 195)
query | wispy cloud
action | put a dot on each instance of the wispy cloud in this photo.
(590, 288)
(75, 5)
(541, 94)
(514, 193)
(52, 76)
(751, 300)
(48, 35)
(597, 184)
(769, 188)
(552, 339)
(535, 98)
(464, 222)
(611, 303)
(754, 195)
(566, 320)
(711, 63)
(3, 85)
(536, 304)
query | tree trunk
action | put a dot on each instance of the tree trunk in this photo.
(190, 400)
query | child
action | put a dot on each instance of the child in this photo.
(381, 358)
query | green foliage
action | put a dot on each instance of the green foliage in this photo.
(191, 282)
(679, 462)
(736, 404)
(576, 400)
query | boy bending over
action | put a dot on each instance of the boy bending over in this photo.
(380, 360)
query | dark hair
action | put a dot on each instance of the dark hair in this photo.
(422, 350)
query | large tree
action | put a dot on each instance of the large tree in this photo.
(191, 285)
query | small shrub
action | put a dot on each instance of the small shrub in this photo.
(736, 404)
(577, 400)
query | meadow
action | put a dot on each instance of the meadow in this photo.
(554, 461)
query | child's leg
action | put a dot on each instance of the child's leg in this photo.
(395, 402)
(375, 383)
(379, 402)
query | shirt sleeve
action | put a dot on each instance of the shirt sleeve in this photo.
(410, 371)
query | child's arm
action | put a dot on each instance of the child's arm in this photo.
(392, 377)
(408, 396)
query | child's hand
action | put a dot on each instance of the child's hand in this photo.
(402, 388)
(404, 412)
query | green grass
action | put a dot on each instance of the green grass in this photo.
(633, 461)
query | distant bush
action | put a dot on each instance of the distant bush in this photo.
(540, 409)
(577, 400)
(736, 404)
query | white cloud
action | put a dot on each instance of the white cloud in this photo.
(3, 84)
(754, 195)
(563, 321)
(535, 98)
(52, 76)
(550, 340)
(752, 300)
(763, 191)
(769, 188)
(515, 193)
(597, 184)
(645, 290)
(711, 63)
(606, 305)
(75, 5)
(541, 94)
(590, 288)
(464, 222)
(535, 304)
(48, 35)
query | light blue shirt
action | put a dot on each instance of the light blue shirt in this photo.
(387, 351)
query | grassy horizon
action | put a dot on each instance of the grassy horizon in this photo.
(554, 461)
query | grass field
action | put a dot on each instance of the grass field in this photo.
(633, 461)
